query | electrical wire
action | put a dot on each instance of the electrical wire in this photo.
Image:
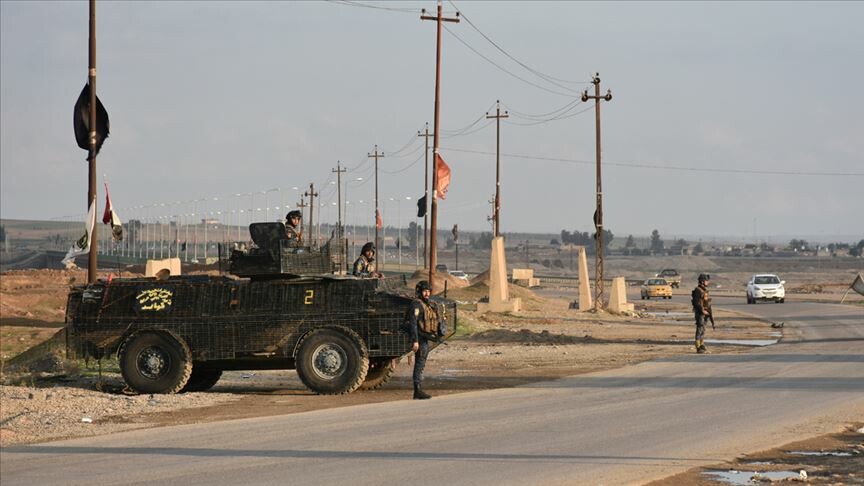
(481, 127)
(403, 169)
(350, 3)
(545, 77)
(562, 116)
(449, 31)
(666, 167)
(538, 116)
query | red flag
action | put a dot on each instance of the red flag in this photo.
(106, 216)
(378, 223)
(443, 172)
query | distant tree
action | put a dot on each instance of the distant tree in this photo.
(554, 242)
(630, 243)
(483, 241)
(798, 244)
(857, 250)
(698, 250)
(681, 242)
(764, 246)
(412, 234)
(656, 242)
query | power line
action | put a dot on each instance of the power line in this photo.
(666, 167)
(403, 169)
(503, 69)
(562, 116)
(545, 77)
(542, 115)
(350, 3)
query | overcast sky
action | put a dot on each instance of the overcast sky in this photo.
(729, 118)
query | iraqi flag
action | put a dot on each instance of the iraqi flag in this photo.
(110, 217)
(82, 246)
(442, 171)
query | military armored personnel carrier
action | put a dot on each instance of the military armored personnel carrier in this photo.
(281, 308)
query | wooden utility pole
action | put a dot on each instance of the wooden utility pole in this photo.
(598, 214)
(91, 190)
(311, 194)
(425, 135)
(376, 155)
(302, 204)
(496, 212)
(339, 172)
(434, 216)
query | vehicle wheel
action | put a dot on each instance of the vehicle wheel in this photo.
(780, 301)
(155, 362)
(380, 371)
(201, 379)
(332, 361)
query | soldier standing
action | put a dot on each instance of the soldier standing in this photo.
(364, 265)
(292, 228)
(702, 310)
(423, 324)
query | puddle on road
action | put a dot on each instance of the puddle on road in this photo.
(743, 342)
(670, 314)
(751, 477)
(830, 453)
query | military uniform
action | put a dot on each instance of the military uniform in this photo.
(364, 267)
(293, 236)
(423, 324)
(701, 309)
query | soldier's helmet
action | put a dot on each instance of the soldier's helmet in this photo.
(704, 277)
(421, 286)
(293, 214)
(368, 247)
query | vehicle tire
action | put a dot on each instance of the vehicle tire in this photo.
(155, 362)
(332, 361)
(379, 373)
(780, 301)
(201, 379)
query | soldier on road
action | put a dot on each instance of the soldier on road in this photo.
(702, 310)
(423, 324)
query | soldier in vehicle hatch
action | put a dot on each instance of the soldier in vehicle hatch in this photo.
(364, 266)
(292, 228)
(702, 310)
(423, 324)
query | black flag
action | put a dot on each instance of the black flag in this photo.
(421, 207)
(81, 121)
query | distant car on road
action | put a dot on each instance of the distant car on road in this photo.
(766, 286)
(441, 267)
(656, 287)
(459, 274)
(671, 276)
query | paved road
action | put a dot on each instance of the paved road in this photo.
(623, 426)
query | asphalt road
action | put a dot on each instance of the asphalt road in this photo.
(629, 425)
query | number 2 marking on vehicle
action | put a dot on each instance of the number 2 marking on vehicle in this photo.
(310, 294)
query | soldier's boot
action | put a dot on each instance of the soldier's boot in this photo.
(698, 345)
(419, 394)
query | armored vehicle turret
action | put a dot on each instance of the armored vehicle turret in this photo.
(284, 308)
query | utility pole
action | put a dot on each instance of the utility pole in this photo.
(438, 19)
(425, 191)
(376, 155)
(311, 194)
(338, 172)
(302, 204)
(496, 212)
(598, 213)
(91, 159)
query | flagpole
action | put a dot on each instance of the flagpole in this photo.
(91, 191)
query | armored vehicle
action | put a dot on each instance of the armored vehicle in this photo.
(283, 308)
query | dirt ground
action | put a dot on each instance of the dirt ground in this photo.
(56, 399)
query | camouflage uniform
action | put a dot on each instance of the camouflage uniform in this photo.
(293, 236)
(423, 325)
(701, 308)
(364, 267)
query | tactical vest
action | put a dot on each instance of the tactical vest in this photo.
(429, 324)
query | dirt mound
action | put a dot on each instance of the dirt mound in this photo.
(526, 337)
(440, 279)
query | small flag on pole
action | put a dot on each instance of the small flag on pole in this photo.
(378, 222)
(110, 217)
(421, 207)
(443, 172)
(82, 246)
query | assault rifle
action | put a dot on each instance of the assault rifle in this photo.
(711, 317)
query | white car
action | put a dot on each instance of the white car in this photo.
(766, 286)
(459, 274)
